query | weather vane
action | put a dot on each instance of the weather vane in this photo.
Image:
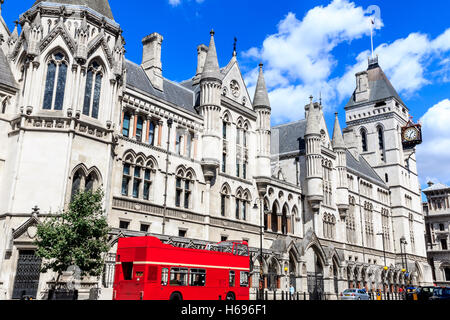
(234, 47)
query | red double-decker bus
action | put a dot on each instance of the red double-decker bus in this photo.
(147, 269)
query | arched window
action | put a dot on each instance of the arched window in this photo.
(55, 83)
(381, 143)
(184, 183)
(76, 183)
(364, 140)
(84, 181)
(284, 220)
(148, 180)
(224, 200)
(126, 178)
(93, 89)
(151, 133)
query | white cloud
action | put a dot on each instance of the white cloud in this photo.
(433, 156)
(175, 3)
(299, 58)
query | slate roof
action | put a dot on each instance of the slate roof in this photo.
(101, 6)
(436, 187)
(6, 76)
(363, 167)
(291, 137)
(379, 85)
(174, 93)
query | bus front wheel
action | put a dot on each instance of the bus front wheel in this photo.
(231, 296)
(176, 296)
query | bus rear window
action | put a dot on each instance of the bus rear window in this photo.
(232, 279)
(127, 270)
(178, 277)
(244, 279)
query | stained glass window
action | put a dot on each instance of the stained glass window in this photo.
(49, 86)
(55, 83)
(92, 93)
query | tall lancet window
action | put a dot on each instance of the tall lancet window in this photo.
(364, 140)
(93, 89)
(55, 83)
(381, 143)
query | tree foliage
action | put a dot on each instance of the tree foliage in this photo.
(77, 237)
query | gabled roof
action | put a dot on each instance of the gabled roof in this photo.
(290, 136)
(436, 187)
(362, 167)
(380, 88)
(177, 94)
(101, 6)
(6, 76)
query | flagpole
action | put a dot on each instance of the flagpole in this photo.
(371, 35)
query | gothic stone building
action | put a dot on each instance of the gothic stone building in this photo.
(437, 227)
(198, 162)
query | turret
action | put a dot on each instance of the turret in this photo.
(34, 36)
(342, 183)
(82, 40)
(210, 95)
(261, 105)
(314, 175)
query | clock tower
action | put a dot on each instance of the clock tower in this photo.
(379, 128)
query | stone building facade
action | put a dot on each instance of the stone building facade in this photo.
(198, 161)
(437, 227)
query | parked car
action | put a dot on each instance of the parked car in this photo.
(441, 293)
(424, 293)
(355, 294)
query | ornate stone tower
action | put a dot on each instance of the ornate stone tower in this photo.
(261, 105)
(314, 174)
(210, 94)
(375, 117)
(341, 166)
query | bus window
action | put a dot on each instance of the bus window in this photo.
(127, 269)
(197, 277)
(232, 279)
(244, 279)
(178, 277)
(164, 276)
(240, 250)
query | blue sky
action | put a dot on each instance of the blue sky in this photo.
(308, 47)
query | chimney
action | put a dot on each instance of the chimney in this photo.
(151, 59)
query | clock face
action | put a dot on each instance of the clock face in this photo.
(411, 134)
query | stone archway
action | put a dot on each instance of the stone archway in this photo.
(315, 273)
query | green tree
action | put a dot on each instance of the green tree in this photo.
(76, 237)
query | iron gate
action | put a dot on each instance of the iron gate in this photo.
(27, 275)
(109, 270)
(315, 286)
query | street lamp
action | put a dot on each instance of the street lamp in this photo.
(261, 269)
(384, 251)
(169, 124)
(403, 244)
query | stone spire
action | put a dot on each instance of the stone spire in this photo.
(338, 139)
(261, 95)
(101, 6)
(312, 120)
(211, 68)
